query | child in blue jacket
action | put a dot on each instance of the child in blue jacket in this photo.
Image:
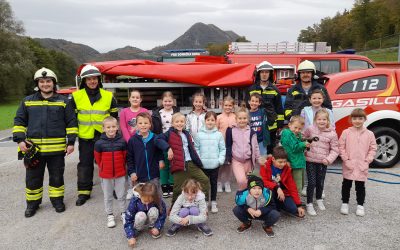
(146, 211)
(256, 203)
(144, 159)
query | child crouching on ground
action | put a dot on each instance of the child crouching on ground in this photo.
(277, 176)
(255, 203)
(110, 156)
(189, 209)
(147, 210)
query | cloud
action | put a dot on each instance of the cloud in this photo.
(106, 25)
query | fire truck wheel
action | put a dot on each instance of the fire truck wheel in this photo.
(388, 153)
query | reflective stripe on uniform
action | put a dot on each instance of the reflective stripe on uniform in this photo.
(85, 192)
(90, 112)
(288, 112)
(113, 110)
(280, 118)
(273, 126)
(56, 191)
(89, 123)
(19, 129)
(33, 195)
(48, 140)
(73, 130)
(295, 92)
(44, 103)
(270, 92)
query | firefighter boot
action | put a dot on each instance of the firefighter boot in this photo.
(82, 198)
(58, 205)
(31, 210)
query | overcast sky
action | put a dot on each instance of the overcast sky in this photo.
(110, 24)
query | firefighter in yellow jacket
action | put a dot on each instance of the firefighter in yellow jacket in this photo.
(47, 120)
(92, 104)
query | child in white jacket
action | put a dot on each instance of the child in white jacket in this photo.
(189, 209)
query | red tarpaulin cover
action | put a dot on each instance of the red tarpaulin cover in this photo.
(205, 74)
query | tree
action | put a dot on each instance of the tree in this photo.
(216, 49)
(15, 57)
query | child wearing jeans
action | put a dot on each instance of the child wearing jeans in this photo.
(277, 177)
(256, 203)
(294, 146)
(224, 121)
(144, 159)
(210, 146)
(146, 211)
(322, 153)
(110, 156)
(258, 122)
(242, 148)
(189, 209)
(185, 162)
(357, 146)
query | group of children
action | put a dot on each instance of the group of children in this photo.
(193, 158)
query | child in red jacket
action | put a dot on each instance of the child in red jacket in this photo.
(277, 176)
(110, 156)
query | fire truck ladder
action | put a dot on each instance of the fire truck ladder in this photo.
(281, 47)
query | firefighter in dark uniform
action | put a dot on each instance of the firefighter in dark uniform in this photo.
(92, 104)
(298, 96)
(272, 102)
(47, 120)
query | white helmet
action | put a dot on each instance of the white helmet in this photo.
(264, 65)
(306, 65)
(45, 73)
(89, 70)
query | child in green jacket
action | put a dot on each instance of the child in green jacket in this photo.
(294, 146)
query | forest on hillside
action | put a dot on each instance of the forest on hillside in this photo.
(366, 21)
(21, 56)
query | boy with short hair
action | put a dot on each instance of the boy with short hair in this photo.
(277, 176)
(255, 203)
(110, 155)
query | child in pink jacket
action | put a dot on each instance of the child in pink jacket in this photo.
(322, 153)
(242, 148)
(357, 147)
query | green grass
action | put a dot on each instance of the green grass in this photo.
(7, 114)
(381, 55)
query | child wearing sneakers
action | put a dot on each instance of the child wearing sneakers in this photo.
(147, 210)
(144, 159)
(210, 146)
(162, 121)
(277, 176)
(110, 156)
(224, 121)
(256, 203)
(189, 209)
(322, 153)
(357, 146)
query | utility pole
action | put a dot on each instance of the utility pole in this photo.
(398, 51)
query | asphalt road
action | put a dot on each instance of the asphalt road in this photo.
(85, 227)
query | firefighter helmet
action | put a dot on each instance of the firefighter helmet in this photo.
(45, 73)
(306, 65)
(89, 70)
(265, 65)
